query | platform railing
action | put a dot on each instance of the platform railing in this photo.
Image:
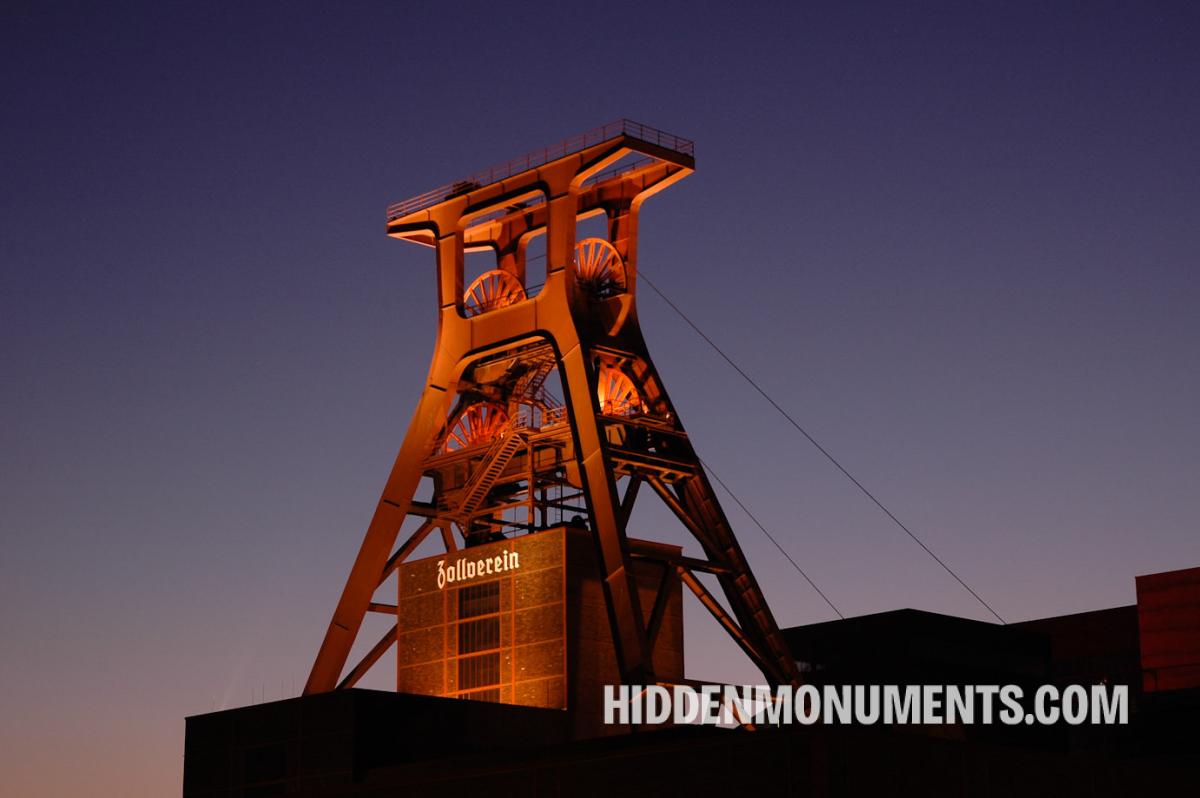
(570, 146)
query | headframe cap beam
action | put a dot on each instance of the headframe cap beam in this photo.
(521, 174)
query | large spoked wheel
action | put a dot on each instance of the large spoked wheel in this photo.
(491, 290)
(617, 394)
(599, 268)
(475, 425)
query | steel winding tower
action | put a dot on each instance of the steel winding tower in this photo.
(499, 452)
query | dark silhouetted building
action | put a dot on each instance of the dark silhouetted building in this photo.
(370, 743)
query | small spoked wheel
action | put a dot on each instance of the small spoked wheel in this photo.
(491, 290)
(617, 394)
(475, 425)
(599, 268)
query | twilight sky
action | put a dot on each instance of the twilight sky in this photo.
(958, 242)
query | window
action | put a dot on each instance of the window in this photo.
(479, 671)
(482, 599)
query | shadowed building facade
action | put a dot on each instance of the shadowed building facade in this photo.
(359, 743)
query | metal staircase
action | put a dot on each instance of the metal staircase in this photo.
(508, 442)
(544, 409)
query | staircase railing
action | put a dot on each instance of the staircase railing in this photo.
(509, 440)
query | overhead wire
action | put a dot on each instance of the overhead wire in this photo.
(770, 537)
(820, 448)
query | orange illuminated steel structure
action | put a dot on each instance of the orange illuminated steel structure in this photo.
(499, 453)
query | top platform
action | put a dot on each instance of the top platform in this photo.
(572, 145)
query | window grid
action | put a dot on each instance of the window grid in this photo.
(482, 670)
(481, 634)
(482, 599)
(478, 630)
(491, 695)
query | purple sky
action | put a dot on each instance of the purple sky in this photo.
(958, 243)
